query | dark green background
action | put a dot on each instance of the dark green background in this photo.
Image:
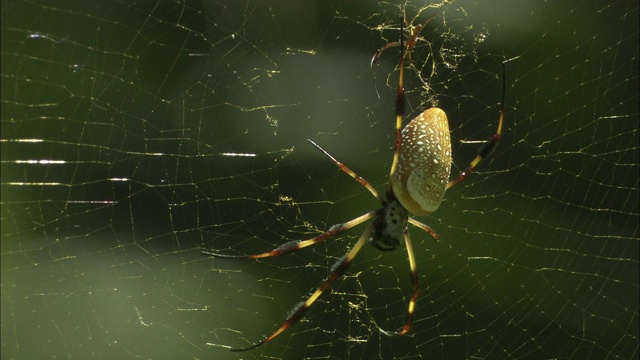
(538, 251)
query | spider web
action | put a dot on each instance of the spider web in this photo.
(135, 134)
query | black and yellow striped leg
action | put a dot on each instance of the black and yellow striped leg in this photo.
(490, 145)
(299, 244)
(336, 271)
(415, 284)
(399, 107)
(349, 172)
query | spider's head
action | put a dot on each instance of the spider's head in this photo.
(424, 163)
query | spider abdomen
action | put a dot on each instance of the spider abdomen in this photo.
(424, 164)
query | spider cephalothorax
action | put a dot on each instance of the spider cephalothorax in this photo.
(389, 225)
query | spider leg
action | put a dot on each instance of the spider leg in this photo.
(349, 172)
(413, 38)
(399, 107)
(299, 244)
(424, 227)
(336, 271)
(378, 53)
(416, 289)
(491, 143)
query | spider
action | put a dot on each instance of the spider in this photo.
(419, 177)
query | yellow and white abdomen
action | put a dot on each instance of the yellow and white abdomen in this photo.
(424, 163)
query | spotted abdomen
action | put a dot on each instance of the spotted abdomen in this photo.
(424, 164)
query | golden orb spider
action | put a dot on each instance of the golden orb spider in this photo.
(418, 179)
